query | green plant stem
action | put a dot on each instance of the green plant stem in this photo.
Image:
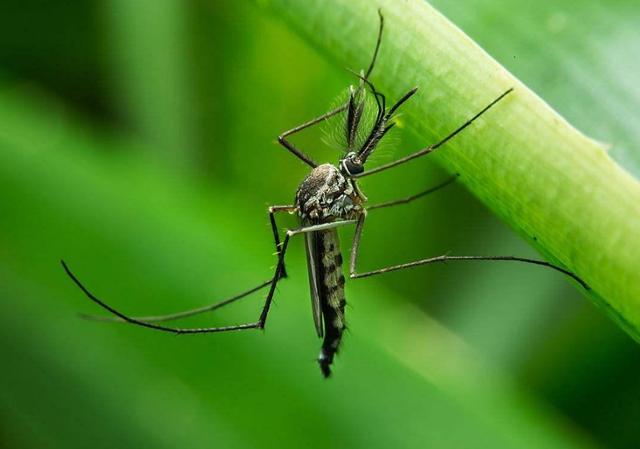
(551, 183)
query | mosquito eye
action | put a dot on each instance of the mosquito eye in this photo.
(352, 167)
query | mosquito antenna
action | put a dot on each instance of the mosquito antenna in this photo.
(377, 95)
(378, 41)
(436, 145)
(401, 101)
(372, 88)
(386, 130)
(354, 114)
(377, 134)
(382, 127)
(378, 130)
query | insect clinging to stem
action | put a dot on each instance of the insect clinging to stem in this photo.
(328, 198)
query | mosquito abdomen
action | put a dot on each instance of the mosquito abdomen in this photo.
(333, 298)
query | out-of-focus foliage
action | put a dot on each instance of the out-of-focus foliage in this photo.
(137, 142)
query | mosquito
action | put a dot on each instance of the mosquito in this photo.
(327, 199)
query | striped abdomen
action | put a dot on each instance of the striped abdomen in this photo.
(332, 299)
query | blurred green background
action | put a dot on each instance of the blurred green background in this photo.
(137, 142)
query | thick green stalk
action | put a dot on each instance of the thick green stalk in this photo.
(555, 186)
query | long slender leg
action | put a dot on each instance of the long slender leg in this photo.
(435, 146)
(138, 322)
(413, 197)
(179, 330)
(183, 314)
(282, 138)
(290, 233)
(274, 228)
(377, 49)
(441, 259)
(210, 307)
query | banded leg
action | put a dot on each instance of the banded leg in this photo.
(435, 146)
(353, 274)
(274, 228)
(291, 233)
(179, 330)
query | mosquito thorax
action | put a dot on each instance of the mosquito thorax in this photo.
(327, 195)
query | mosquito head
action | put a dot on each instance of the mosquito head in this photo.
(351, 165)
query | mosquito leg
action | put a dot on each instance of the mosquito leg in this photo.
(274, 227)
(377, 48)
(183, 314)
(208, 308)
(413, 197)
(204, 330)
(353, 274)
(283, 249)
(131, 320)
(435, 146)
(355, 247)
(282, 138)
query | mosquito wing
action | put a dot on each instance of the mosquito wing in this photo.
(314, 265)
